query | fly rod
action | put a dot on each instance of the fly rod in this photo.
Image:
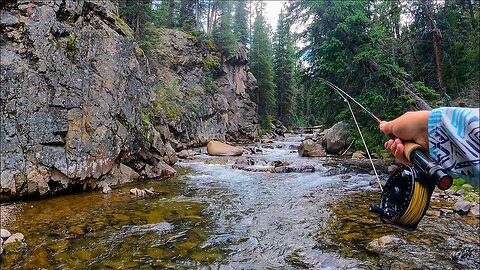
(406, 194)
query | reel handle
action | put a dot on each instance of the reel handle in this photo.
(415, 154)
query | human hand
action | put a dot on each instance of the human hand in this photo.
(411, 126)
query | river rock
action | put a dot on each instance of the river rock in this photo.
(358, 154)
(467, 187)
(278, 128)
(385, 242)
(309, 148)
(459, 192)
(106, 189)
(336, 138)
(244, 161)
(137, 192)
(266, 140)
(462, 206)
(150, 191)
(14, 238)
(290, 169)
(279, 163)
(159, 170)
(475, 210)
(435, 213)
(392, 168)
(185, 154)
(216, 148)
(4, 233)
(446, 211)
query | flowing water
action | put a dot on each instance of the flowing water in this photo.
(214, 217)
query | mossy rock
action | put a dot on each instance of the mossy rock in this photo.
(123, 26)
(121, 217)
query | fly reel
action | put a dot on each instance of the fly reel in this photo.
(406, 195)
(405, 199)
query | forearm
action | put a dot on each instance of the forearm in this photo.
(453, 139)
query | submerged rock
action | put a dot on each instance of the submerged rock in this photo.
(137, 192)
(462, 206)
(279, 163)
(475, 210)
(14, 238)
(383, 243)
(4, 233)
(216, 148)
(106, 189)
(142, 192)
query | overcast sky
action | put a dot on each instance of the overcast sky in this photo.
(272, 10)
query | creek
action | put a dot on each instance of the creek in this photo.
(214, 217)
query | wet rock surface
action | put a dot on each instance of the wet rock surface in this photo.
(310, 148)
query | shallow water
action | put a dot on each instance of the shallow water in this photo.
(215, 217)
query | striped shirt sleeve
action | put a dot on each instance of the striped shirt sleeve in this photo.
(453, 137)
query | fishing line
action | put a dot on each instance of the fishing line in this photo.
(364, 144)
(406, 194)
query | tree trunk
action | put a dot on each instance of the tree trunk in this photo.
(197, 14)
(436, 39)
(171, 9)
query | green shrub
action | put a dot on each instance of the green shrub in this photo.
(168, 98)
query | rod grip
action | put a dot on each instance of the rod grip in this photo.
(409, 147)
(418, 157)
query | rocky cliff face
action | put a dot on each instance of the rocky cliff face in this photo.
(82, 107)
(204, 94)
(72, 100)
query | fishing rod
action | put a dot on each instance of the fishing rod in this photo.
(406, 194)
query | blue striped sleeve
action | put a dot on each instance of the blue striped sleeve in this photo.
(453, 137)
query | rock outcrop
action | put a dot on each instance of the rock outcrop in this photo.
(83, 107)
(74, 102)
(204, 94)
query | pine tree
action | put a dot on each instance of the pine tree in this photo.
(240, 27)
(223, 35)
(284, 60)
(261, 65)
(186, 18)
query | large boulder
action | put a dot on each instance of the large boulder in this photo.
(216, 148)
(336, 138)
(309, 148)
